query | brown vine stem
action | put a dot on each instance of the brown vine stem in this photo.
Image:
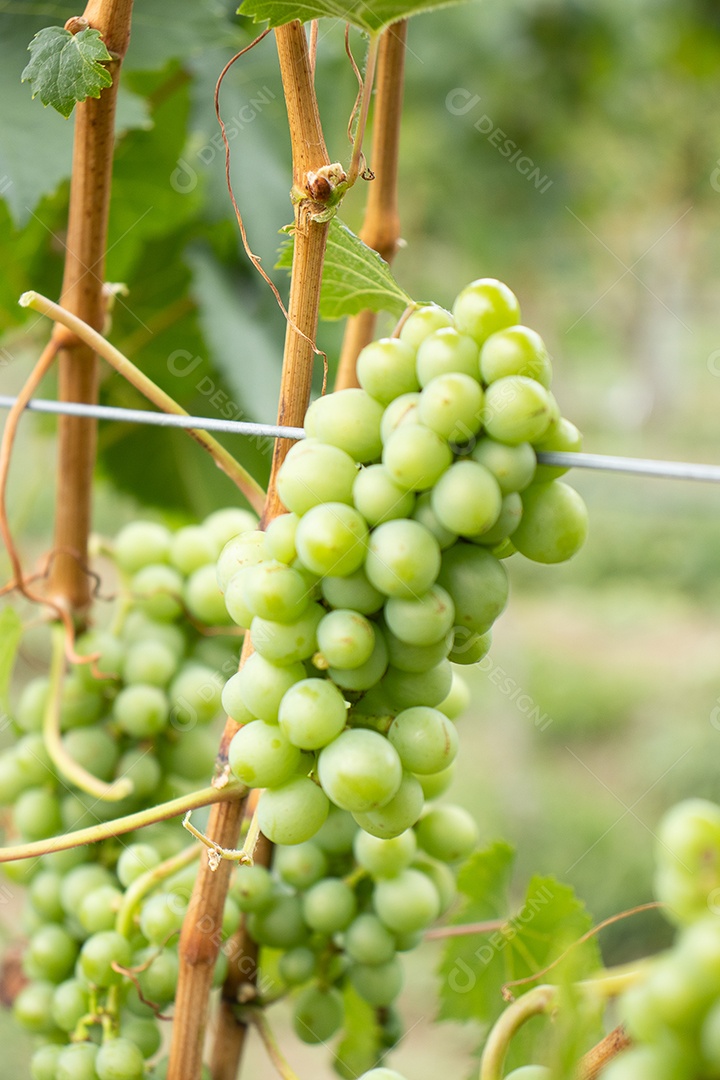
(82, 293)
(199, 940)
(137, 378)
(381, 228)
(594, 1061)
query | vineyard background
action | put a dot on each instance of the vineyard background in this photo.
(613, 250)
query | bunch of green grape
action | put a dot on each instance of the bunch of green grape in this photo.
(672, 1015)
(140, 713)
(403, 501)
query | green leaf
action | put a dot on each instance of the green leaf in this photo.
(475, 967)
(355, 277)
(10, 634)
(359, 1049)
(66, 68)
(370, 17)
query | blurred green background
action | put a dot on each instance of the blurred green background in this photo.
(601, 213)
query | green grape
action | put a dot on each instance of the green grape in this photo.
(119, 1059)
(337, 834)
(60, 862)
(32, 1006)
(112, 652)
(313, 473)
(512, 466)
(368, 941)
(689, 837)
(565, 437)
(191, 756)
(44, 892)
(44, 1062)
(192, 547)
(452, 405)
(517, 410)
(262, 685)
(79, 882)
(203, 599)
(554, 523)
(360, 770)
(517, 350)
(403, 559)
(158, 981)
(138, 627)
(297, 966)
(145, 1034)
(345, 638)
(407, 902)
(232, 701)
(141, 711)
(77, 1062)
(134, 861)
(37, 814)
(710, 1037)
(386, 369)
(140, 544)
(379, 498)
(143, 768)
(31, 758)
(331, 539)
(530, 1072)
(329, 906)
(416, 658)
(421, 620)
(318, 1014)
(279, 926)
(398, 814)
(251, 888)
(51, 954)
(293, 812)
(415, 457)
(228, 522)
(31, 706)
(484, 307)
(469, 647)
(426, 741)
(477, 583)
(280, 537)
(162, 917)
(442, 878)
(446, 352)
(157, 590)
(261, 755)
(423, 322)
(368, 674)
(312, 713)
(93, 748)
(467, 499)
(458, 699)
(425, 515)
(407, 688)
(661, 1062)
(151, 662)
(378, 984)
(275, 591)
(287, 643)
(403, 410)
(300, 866)
(232, 917)
(448, 833)
(99, 953)
(353, 592)
(80, 705)
(349, 419)
(195, 695)
(384, 858)
(99, 909)
(70, 1004)
(511, 510)
(234, 599)
(248, 549)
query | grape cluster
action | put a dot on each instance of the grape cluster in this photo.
(673, 1014)
(402, 501)
(140, 713)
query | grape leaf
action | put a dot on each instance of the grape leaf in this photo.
(370, 17)
(10, 634)
(66, 68)
(355, 277)
(475, 967)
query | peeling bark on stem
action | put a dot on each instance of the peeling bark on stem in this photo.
(82, 293)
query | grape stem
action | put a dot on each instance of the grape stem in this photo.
(216, 853)
(141, 886)
(250, 488)
(594, 1061)
(259, 1021)
(542, 999)
(366, 95)
(65, 764)
(105, 830)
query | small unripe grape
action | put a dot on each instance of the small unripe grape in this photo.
(314, 473)
(141, 543)
(157, 590)
(517, 350)
(423, 322)
(350, 420)
(224, 524)
(484, 307)
(448, 833)
(554, 523)
(386, 369)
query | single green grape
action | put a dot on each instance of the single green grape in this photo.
(191, 547)
(477, 583)
(229, 522)
(262, 685)
(203, 599)
(285, 643)
(421, 620)
(403, 559)
(386, 369)
(384, 858)
(415, 457)
(312, 713)
(366, 675)
(119, 1059)
(161, 917)
(368, 941)
(293, 812)
(353, 592)
(554, 523)
(403, 410)
(448, 833)
(318, 1014)
(407, 902)
(423, 322)
(345, 638)
(452, 405)
(313, 473)
(141, 543)
(157, 591)
(565, 437)
(98, 955)
(379, 498)
(467, 499)
(398, 814)
(360, 770)
(77, 1062)
(331, 539)
(301, 866)
(329, 906)
(261, 755)
(445, 352)
(484, 307)
(517, 350)
(426, 741)
(247, 549)
(350, 420)
(378, 984)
